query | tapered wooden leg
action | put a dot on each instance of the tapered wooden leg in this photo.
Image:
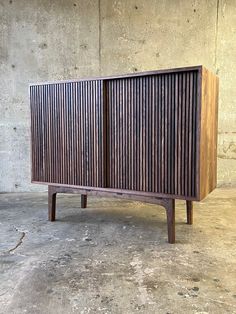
(51, 204)
(83, 201)
(170, 212)
(189, 205)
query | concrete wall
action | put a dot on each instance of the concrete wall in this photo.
(51, 40)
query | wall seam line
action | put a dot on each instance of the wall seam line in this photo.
(99, 35)
(216, 32)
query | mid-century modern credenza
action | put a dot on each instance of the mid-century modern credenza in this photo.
(148, 136)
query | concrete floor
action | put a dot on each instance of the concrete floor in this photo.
(113, 257)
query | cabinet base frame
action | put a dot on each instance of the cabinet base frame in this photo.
(167, 203)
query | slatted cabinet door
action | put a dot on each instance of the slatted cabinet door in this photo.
(152, 133)
(67, 133)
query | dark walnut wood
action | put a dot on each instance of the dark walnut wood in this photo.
(83, 201)
(189, 205)
(150, 136)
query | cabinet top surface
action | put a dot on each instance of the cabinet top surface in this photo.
(127, 75)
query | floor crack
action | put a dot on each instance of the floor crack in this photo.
(18, 243)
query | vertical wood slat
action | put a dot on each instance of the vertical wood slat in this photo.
(162, 134)
(136, 133)
(67, 134)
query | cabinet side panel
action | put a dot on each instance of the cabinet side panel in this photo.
(208, 136)
(67, 133)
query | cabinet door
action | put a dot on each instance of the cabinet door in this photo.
(67, 133)
(152, 128)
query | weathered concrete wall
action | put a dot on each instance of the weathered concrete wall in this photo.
(40, 40)
(50, 40)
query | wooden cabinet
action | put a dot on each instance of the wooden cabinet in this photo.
(148, 136)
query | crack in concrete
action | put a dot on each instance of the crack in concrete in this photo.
(18, 243)
(229, 148)
(3, 293)
(225, 157)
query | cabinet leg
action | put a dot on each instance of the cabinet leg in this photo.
(83, 201)
(189, 205)
(170, 213)
(51, 203)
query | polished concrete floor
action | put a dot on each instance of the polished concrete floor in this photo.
(113, 257)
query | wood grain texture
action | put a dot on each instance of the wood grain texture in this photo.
(153, 132)
(150, 137)
(208, 134)
(189, 211)
(67, 133)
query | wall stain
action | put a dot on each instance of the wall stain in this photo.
(83, 46)
(43, 46)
